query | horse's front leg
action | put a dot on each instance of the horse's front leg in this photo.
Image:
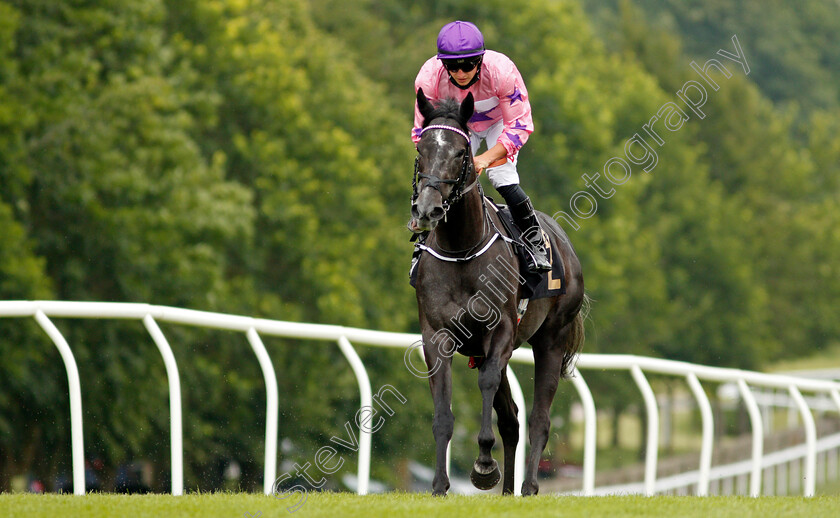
(440, 383)
(485, 473)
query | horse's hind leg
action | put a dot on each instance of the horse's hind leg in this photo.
(548, 361)
(508, 429)
(485, 473)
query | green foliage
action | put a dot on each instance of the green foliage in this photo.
(793, 48)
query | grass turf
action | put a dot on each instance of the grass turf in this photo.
(396, 505)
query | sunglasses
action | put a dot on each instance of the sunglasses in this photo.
(465, 65)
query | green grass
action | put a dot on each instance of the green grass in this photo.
(396, 505)
(828, 358)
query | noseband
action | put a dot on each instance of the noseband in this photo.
(434, 182)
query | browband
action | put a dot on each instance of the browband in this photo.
(450, 128)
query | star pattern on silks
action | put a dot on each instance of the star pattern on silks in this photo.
(482, 116)
(515, 96)
(519, 126)
(418, 132)
(515, 139)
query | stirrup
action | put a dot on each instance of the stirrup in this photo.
(539, 257)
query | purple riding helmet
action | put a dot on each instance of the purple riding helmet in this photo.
(459, 40)
(461, 46)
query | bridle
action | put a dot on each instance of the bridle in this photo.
(434, 182)
(457, 193)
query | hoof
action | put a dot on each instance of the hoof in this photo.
(530, 489)
(485, 481)
(439, 493)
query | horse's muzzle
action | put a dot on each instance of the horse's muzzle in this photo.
(426, 219)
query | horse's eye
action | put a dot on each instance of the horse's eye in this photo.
(461, 153)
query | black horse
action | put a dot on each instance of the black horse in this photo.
(468, 292)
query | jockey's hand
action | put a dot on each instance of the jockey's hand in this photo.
(493, 157)
(481, 164)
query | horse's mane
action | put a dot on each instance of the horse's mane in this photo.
(449, 109)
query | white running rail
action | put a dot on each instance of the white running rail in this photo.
(149, 315)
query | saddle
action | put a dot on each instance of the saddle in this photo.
(537, 285)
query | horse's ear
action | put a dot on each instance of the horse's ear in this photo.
(423, 104)
(467, 107)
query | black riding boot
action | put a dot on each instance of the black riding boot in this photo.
(526, 219)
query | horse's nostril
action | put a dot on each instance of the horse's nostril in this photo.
(414, 212)
(436, 213)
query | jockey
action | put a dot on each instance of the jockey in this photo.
(502, 116)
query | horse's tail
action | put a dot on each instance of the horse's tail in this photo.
(576, 337)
